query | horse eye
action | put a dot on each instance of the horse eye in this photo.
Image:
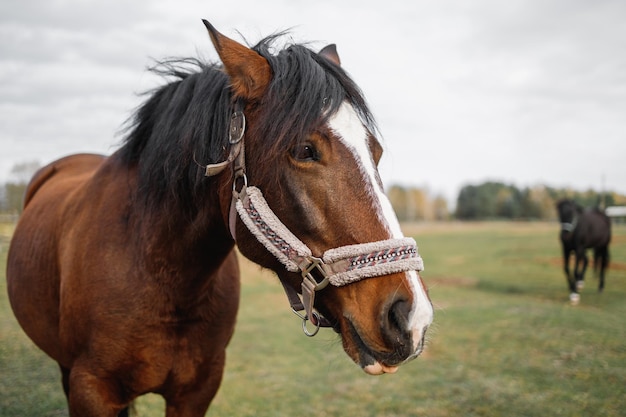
(305, 152)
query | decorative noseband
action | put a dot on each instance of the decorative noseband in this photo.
(569, 227)
(339, 266)
(342, 265)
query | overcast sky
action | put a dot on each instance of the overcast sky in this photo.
(522, 91)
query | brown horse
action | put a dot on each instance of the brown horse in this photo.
(123, 268)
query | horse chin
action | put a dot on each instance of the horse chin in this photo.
(373, 360)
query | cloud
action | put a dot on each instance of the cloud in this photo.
(522, 91)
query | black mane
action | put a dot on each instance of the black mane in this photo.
(188, 118)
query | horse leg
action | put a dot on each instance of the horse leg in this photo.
(568, 275)
(65, 375)
(581, 267)
(573, 291)
(604, 263)
(65, 378)
(90, 396)
(196, 403)
(192, 404)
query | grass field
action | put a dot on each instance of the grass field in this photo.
(505, 341)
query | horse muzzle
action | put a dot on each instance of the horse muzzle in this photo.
(395, 338)
(376, 359)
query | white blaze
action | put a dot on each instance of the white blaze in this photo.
(347, 125)
(350, 130)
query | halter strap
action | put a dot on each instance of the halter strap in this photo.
(236, 131)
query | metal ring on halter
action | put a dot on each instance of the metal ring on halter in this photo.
(237, 127)
(318, 321)
(245, 182)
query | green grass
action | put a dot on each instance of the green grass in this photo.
(505, 341)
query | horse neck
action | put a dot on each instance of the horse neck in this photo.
(185, 248)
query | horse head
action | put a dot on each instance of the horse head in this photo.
(569, 213)
(309, 203)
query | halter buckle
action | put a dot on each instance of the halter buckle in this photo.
(310, 265)
(237, 127)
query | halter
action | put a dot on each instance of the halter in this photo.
(569, 227)
(339, 266)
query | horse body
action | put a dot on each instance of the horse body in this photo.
(582, 230)
(154, 306)
(123, 268)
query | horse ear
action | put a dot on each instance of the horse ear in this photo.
(330, 53)
(249, 72)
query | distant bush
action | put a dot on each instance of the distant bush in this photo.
(495, 200)
(416, 204)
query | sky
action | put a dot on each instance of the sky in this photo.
(525, 92)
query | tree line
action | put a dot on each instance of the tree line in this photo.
(486, 201)
(12, 192)
(494, 200)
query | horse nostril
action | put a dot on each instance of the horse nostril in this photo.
(398, 320)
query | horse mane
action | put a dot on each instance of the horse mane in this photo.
(187, 119)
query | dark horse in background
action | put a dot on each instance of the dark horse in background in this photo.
(123, 268)
(583, 229)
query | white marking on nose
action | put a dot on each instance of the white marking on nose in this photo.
(350, 130)
(421, 315)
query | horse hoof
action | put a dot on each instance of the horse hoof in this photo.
(574, 298)
(580, 285)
